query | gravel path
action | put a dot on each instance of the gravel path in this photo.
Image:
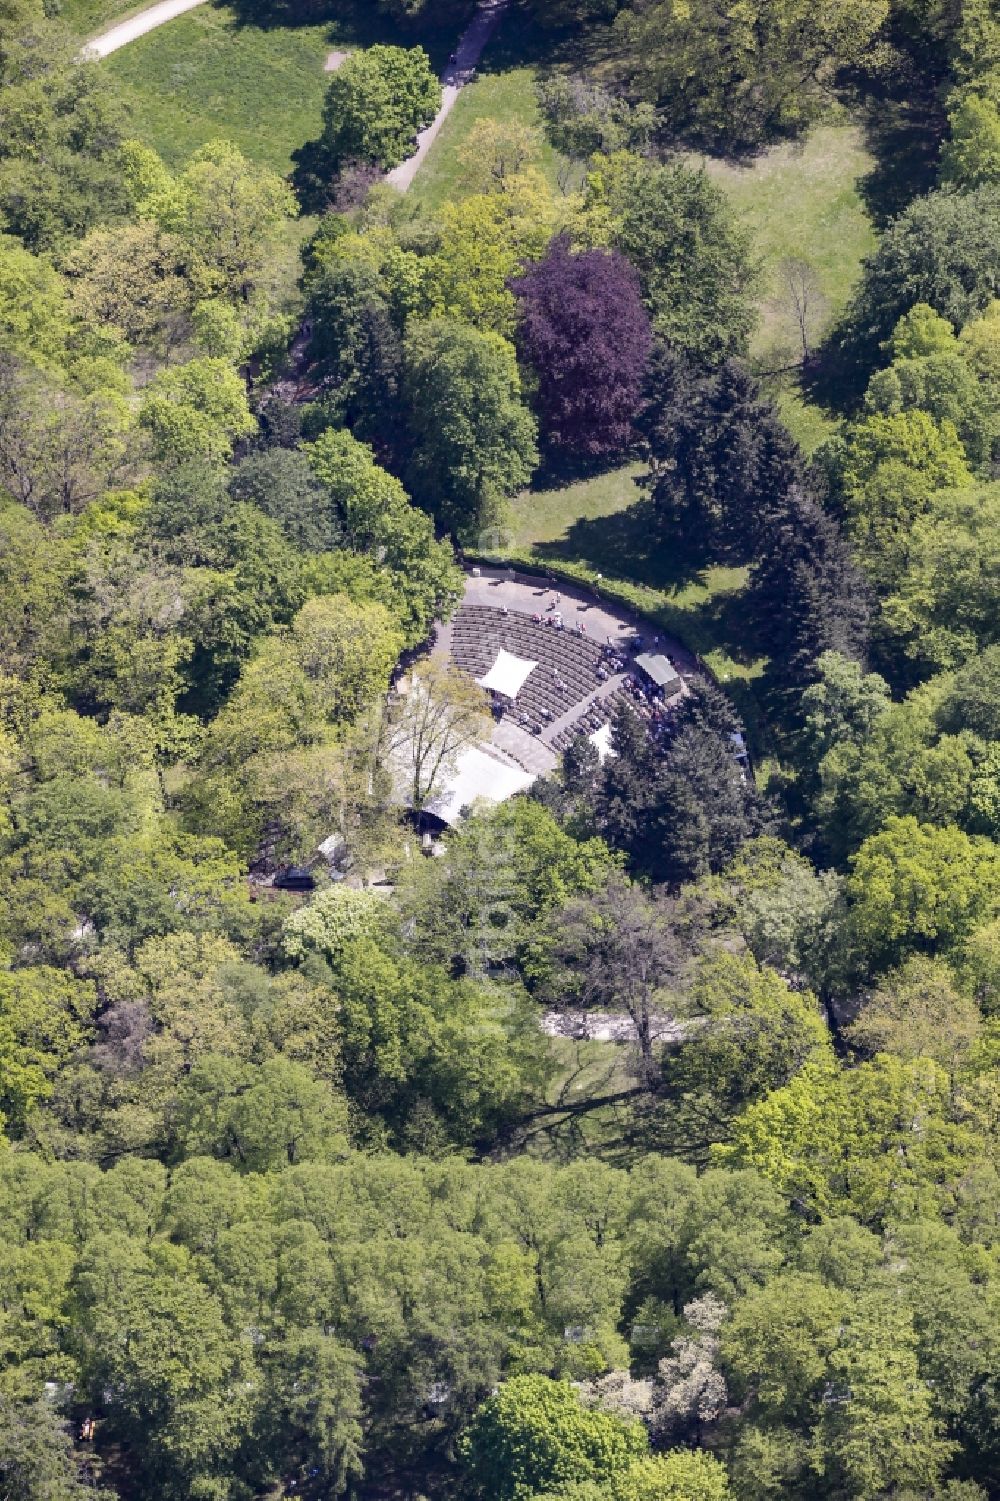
(127, 31)
(454, 78)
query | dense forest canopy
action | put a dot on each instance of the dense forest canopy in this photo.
(319, 1193)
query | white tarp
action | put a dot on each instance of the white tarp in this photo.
(508, 674)
(601, 741)
(477, 775)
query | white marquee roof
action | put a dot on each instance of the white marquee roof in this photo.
(601, 741)
(476, 776)
(508, 674)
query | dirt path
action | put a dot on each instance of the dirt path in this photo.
(454, 78)
(127, 31)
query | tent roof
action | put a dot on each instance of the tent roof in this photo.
(601, 741)
(477, 775)
(508, 674)
(658, 667)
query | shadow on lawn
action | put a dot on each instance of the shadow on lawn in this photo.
(628, 545)
(357, 24)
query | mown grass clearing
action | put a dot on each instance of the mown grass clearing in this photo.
(506, 96)
(205, 76)
(803, 202)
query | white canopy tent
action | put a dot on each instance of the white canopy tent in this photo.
(601, 741)
(508, 674)
(477, 776)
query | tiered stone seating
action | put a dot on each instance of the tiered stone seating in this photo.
(599, 713)
(567, 661)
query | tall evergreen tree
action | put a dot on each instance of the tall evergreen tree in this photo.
(718, 455)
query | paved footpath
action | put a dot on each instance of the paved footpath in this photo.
(453, 80)
(146, 20)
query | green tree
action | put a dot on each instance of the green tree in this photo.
(695, 261)
(197, 410)
(226, 211)
(37, 1460)
(879, 1432)
(376, 103)
(971, 157)
(473, 440)
(915, 888)
(535, 1435)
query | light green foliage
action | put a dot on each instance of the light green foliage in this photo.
(885, 1142)
(917, 888)
(678, 1475)
(534, 1435)
(333, 918)
(196, 410)
(258, 1118)
(886, 474)
(880, 1432)
(34, 310)
(417, 576)
(61, 447)
(942, 607)
(45, 1017)
(752, 1035)
(376, 103)
(777, 1344)
(226, 211)
(131, 278)
(972, 155)
(484, 240)
(473, 440)
(503, 874)
(326, 667)
(918, 1012)
(60, 135)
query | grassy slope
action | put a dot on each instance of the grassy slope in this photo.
(205, 76)
(508, 95)
(602, 525)
(215, 73)
(88, 17)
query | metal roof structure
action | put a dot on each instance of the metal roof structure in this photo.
(659, 668)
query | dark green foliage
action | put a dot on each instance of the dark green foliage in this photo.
(682, 811)
(720, 459)
(695, 261)
(281, 484)
(358, 349)
(944, 250)
(807, 596)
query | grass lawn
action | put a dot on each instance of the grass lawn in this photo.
(603, 525)
(205, 76)
(215, 73)
(88, 17)
(506, 95)
(802, 201)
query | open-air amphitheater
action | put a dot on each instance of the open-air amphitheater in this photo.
(557, 662)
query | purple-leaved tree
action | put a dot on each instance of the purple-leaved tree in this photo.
(584, 330)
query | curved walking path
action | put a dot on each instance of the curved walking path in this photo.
(127, 31)
(453, 80)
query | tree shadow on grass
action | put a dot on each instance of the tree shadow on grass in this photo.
(356, 24)
(904, 136)
(629, 545)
